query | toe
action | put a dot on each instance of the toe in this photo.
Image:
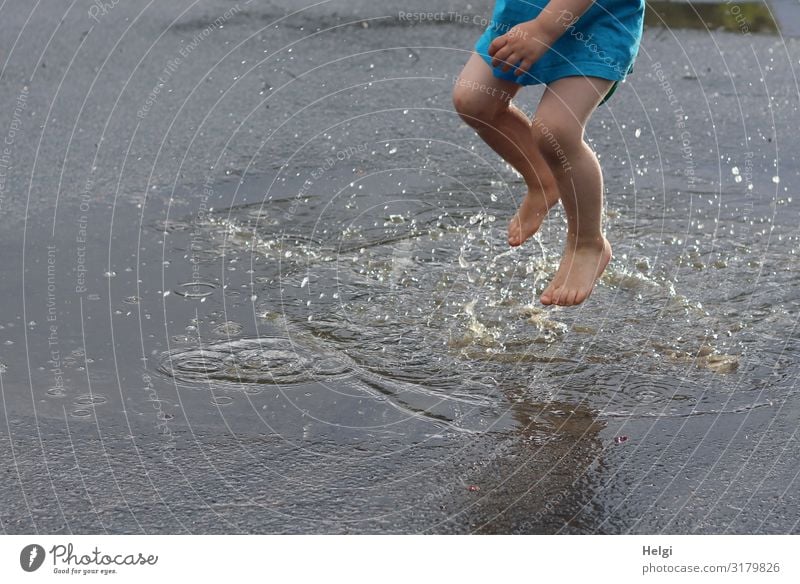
(551, 293)
(513, 233)
(558, 296)
(567, 297)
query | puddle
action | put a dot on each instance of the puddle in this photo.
(418, 300)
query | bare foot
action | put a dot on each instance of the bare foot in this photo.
(580, 268)
(528, 218)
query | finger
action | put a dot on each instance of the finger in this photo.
(523, 67)
(501, 55)
(497, 44)
(510, 61)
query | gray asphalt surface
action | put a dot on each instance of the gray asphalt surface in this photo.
(130, 109)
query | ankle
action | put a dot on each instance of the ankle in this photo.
(586, 240)
(543, 192)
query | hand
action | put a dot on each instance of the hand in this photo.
(521, 46)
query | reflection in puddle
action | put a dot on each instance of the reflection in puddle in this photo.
(534, 481)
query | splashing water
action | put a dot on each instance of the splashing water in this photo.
(422, 292)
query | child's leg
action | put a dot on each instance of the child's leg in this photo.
(484, 102)
(561, 118)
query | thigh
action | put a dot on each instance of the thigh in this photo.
(477, 85)
(567, 104)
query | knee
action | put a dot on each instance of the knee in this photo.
(473, 107)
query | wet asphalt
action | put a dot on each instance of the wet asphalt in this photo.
(115, 119)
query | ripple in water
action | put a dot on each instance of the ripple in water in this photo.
(196, 289)
(222, 400)
(266, 360)
(90, 400)
(228, 329)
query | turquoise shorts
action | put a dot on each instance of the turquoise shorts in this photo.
(603, 42)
